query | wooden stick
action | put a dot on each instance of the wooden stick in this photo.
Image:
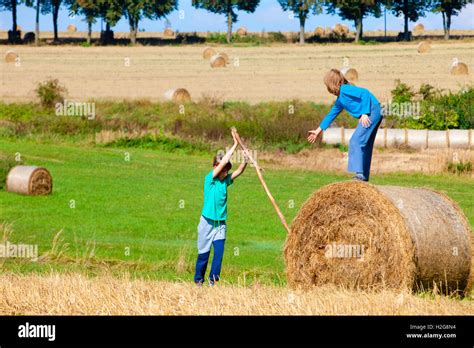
(259, 174)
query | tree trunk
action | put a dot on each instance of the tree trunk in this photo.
(359, 29)
(55, 22)
(14, 17)
(229, 24)
(89, 31)
(37, 25)
(133, 31)
(405, 13)
(448, 25)
(444, 25)
(302, 22)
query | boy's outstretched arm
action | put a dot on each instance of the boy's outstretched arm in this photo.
(241, 168)
(225, 159)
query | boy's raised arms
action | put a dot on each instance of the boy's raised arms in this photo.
(225, 159)
(241, 168)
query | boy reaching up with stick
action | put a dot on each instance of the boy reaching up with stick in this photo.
(212, 225)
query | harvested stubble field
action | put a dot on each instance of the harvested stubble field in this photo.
(74, 294)
(276, 72)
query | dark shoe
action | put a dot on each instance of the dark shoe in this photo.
(359, 177)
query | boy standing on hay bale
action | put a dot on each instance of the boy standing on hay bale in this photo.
(212, 225)
(361, 104)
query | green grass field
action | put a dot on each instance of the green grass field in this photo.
(140, 216)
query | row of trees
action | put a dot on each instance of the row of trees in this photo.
(111, 11)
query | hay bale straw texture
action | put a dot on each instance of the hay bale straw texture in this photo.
(357, 235)
(319, 31)
(242, 31)
(351, 74)
(29, 180)
(424, 47)
(225, 56)
(217, 61)
(208, 53)
(11, 56)
(418, 28)
(168, 32)
(71, 28)
(341, 30)
(178, 95)
(459, 69)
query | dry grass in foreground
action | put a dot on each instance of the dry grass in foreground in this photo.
(75, 294)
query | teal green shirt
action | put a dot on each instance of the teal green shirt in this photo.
(215, 197)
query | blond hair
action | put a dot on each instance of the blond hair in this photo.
(333, 80)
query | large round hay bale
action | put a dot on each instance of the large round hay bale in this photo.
(357, 235)
(11, 56)
(208, 53)
(29, 180)
(71, 28)
(459, 69)
(418, 29)
(168, 32)
(341, 30)
(424, 47)
(178, 95)
(225, 56)
(351, 74)
(217, 61)
(242, 31)
(319, 31)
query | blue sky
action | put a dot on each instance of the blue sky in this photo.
(268, 16)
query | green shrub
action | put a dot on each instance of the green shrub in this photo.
(7, 162)
(161, 142)
(438, 110)
(277, 36)
(50, 92)
(402, 93)
(460, 167)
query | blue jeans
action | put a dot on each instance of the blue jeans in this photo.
(202, 260)
(362, 144)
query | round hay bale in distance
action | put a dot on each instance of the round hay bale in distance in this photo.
(351, 74)
(418, 28)
(340, 30)
(29, 180)
(178, 95)
(357, 235)
(217, 61)
(208, 53)
(424, 47)
(11, 56)
(71, 28)
(168, 32)
(319, 31)
(242, 31)
(459, 69)
(225, 56)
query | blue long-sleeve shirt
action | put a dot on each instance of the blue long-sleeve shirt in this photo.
(355, 100)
